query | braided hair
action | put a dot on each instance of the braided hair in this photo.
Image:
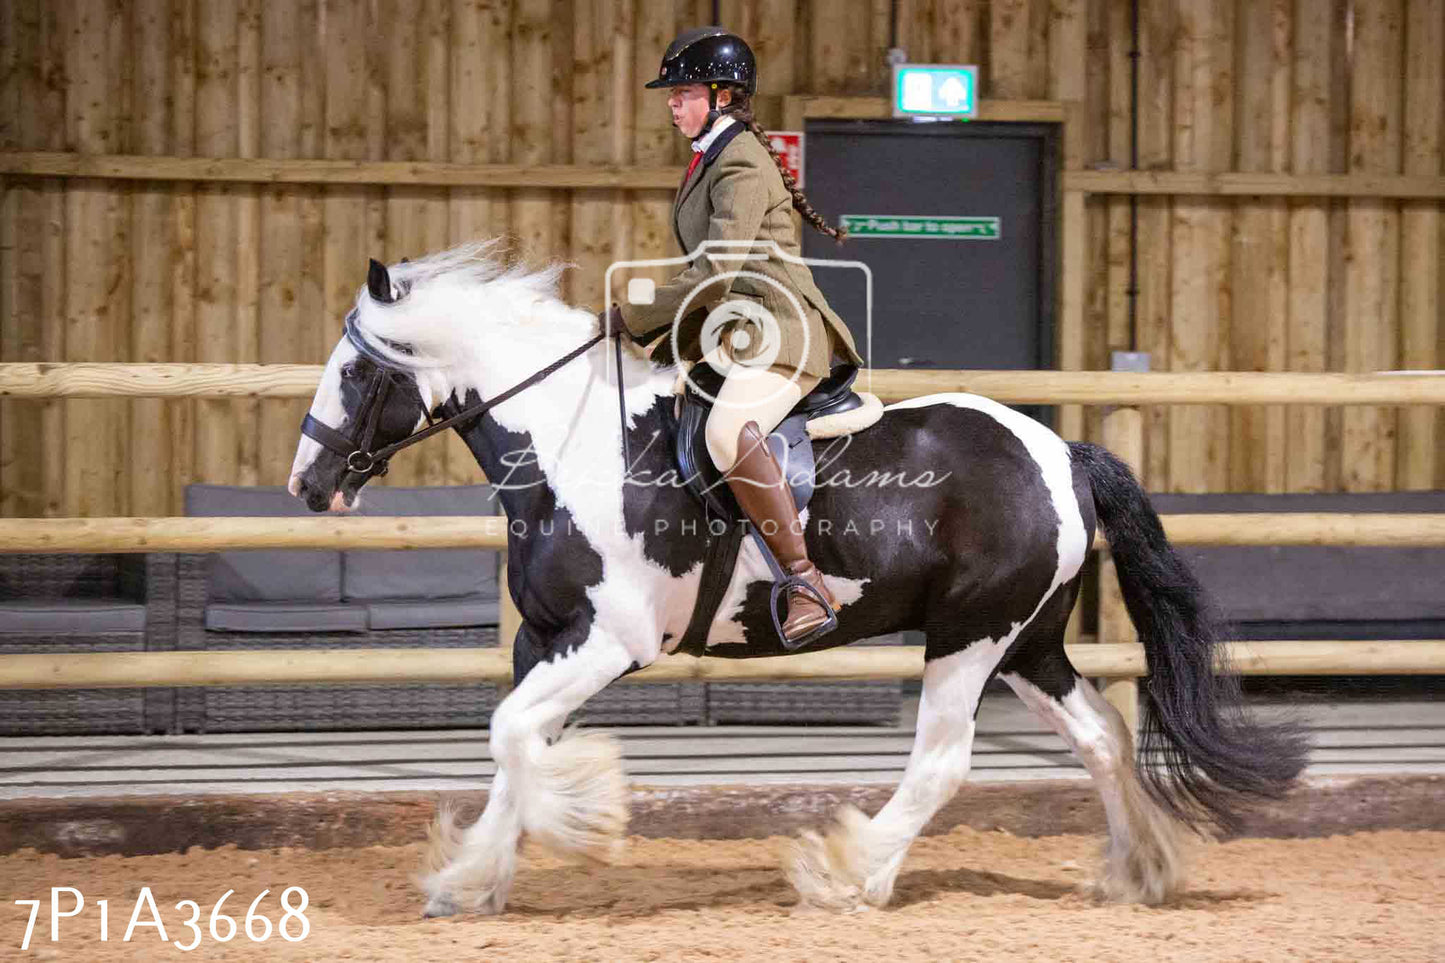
(741, 109)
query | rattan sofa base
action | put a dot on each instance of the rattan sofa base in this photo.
(804, 703)
(149, 579)
(440, 705)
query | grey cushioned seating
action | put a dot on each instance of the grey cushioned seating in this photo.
(432, 613)
(324, 591)
(258, 609)
(72, 616)
(284, 617)
(1279, 630)
(264, 576)
(371, 576)
(387, 599)
(425, 588)
(1321, 591)
(327, 591)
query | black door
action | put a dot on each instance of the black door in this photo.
(947, 293)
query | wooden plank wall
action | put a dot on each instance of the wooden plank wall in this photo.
(104, 270)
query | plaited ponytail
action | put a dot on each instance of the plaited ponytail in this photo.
(741, 110)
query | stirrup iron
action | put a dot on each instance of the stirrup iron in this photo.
(782, 581)
(788, 582)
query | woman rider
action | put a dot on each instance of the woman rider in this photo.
(762, 322)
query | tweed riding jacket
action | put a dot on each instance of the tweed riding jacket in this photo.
(736, 193)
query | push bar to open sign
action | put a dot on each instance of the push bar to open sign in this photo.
(951, 228)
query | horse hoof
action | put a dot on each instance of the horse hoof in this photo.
(439, 907)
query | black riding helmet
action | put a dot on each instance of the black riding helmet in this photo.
(708, 55)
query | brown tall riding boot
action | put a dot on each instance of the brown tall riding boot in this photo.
(757, 482)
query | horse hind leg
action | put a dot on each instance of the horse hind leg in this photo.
(1142, 858)
(856, 863)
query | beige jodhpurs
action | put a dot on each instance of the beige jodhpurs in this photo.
(757, 394)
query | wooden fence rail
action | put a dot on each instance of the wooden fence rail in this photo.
(265, 170)
(186, 534)
(110, 380)
(477, 665)
(269, 170)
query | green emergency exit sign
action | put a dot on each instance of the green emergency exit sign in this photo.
(935, 90)
(949, 228)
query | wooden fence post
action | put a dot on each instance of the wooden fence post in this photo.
(509, 618)
(1124, 436)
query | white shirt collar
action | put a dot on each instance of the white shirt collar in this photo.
(718, 126)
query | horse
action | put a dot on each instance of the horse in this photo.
(979, 543)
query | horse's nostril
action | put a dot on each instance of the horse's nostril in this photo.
(315, 499)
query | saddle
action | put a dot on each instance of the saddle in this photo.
(791, 441)
(831, 409)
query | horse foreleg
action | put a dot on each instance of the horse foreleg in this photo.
(856, 864)
(472, 868)
(567, 793)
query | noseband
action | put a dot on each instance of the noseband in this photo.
(361, 458)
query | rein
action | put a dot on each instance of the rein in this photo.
(361, 460)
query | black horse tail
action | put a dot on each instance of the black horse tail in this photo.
(1200, 756)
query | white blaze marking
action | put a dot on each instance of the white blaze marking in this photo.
(326, 407)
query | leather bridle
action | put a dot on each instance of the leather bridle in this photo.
(362, 459)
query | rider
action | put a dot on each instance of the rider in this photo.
(736, 189)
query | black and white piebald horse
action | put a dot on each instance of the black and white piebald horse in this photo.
(984, 557)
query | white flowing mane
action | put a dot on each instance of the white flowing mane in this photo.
(451, 304)
(470, 320)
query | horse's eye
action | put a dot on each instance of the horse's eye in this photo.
(348, 371)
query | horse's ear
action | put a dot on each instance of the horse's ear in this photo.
(378, 282)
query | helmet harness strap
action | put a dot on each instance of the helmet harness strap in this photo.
(713, 113)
